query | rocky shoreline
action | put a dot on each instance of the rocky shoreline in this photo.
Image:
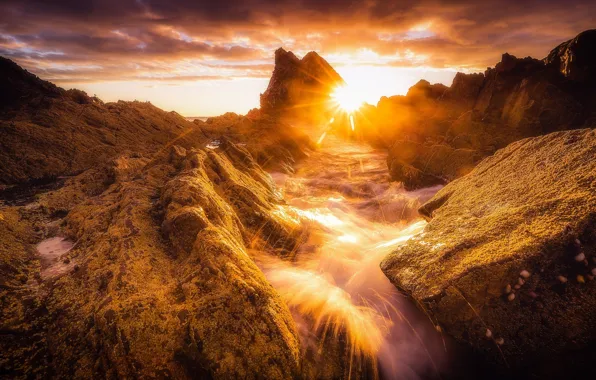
(163, 214)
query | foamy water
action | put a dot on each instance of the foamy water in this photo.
(343, 194)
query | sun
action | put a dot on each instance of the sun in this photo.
(347, 98)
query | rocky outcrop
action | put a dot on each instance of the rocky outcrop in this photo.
(275, 144)
(47, 132)
(161, 282)
(480, 113)
(508, 259)
(425, 165)
(162, 215)
(300, 88)
(576, 58)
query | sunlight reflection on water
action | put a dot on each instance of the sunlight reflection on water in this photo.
(340, 286)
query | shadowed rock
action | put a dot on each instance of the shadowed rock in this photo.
(300, 88)
(525, 218)
(480, 113)
(576, 58)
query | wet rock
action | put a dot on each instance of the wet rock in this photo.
(521, 208)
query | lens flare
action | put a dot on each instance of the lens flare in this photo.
(347, 99)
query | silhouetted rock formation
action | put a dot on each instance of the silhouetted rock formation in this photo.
(576, 58)
(511, 248)
(435, 134)
(300, 88)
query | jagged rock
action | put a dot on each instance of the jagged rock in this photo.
(466, 86)
(576, 58)
(526, 212)
(300, 88)
(518, 98)
(159, 282)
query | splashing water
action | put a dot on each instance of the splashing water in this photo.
(356, 217)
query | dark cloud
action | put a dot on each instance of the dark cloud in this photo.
(211, 39)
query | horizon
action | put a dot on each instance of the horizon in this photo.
(207, 60)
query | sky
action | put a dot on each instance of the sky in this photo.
(204, 58)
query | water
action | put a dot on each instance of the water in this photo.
(356, 217)
(52, 254)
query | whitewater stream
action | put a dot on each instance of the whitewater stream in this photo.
(343, 190)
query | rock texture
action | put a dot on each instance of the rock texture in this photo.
(163, 214)
(435, 134)
(300, 88)
(46, 132)
(275, 144)
(508, 259)
(162, 284)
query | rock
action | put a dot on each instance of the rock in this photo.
(420, 165)
(161, 281)
(518, 212)
(21, 88)
(576, 58)
(518, 98)
(300, 88)
(46, 132)
(275, 144)
(426, 90)
(466, 86)
(165, 284)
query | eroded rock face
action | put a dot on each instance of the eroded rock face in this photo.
(511, 247)
(300, 88)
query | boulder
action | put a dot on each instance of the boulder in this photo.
(508, 258)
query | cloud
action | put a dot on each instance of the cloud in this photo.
(77, 41)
